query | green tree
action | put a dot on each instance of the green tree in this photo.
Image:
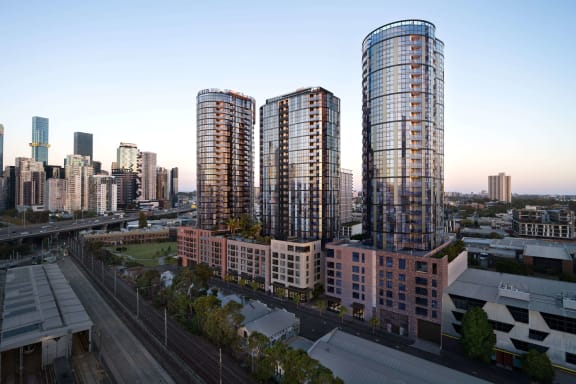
(538, 366)
(233, 224)
(297, 298)
(142, 220)
(202, 274)
(374, 322)
(478, 338)
(321, 304)
(342, 312)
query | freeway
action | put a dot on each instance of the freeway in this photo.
(52, 228)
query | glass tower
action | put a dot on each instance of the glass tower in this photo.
(225, 157)
(403, 136)
(300, 165)
(1, 150)
(39, 142)
(83, 144)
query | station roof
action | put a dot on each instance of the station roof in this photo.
(39, 303)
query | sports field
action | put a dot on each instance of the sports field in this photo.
(147, 254)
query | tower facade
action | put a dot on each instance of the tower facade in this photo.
(346, 195)
(403, 136)
(148, 175)
(174, 186)
(83, 144)
(39, 142)
(103, 194)
(500, 187)
(225, 157)
(127, 157)
(300, 165)
(30, 183)
(78, 170)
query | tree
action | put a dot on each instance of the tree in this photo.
(538, 366)
(233, 224)
(202, 273)
(478, 338)
(321, 304)
(257, 342)
(342, 312)
(374, 322)
(297, 299)
(142, 220)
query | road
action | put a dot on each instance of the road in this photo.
(125, 357)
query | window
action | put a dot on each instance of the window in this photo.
(560, 323)
(434, 314)
(402, 296)
(537, 335)
(355, 277)
(389, 303)
(421, 311)
(434, 283)
(422, 266)
(389, 275)
(458, 315)
(500, 326)
(571, 358)
(435, 269)
(402, 306)
(402, 287)
(355, 257)
(421, 291)
(402, 263)
(519, 314)
(389, 284)
(355, 286)
(434, 293)
(355, 269)
(526, 346)
(422, 301)
(421, 281)
(402, 277)
(339, 266)
(389, 262)
(389, 294)
(466, 303)
(355, 295)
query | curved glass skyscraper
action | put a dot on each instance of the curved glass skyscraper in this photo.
(225, 157)
(403, 136)
(39, 142)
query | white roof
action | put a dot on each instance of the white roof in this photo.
(39, 302)
(272, 323)
(356, 360)
(546, 252)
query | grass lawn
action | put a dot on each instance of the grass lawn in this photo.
(147, 254)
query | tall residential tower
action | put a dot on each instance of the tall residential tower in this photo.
(39, 142)
(225, 157)
(500, 187)
(300, 165)
(83, 144)
(403, 136)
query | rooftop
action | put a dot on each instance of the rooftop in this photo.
(547, 252)
(536, 294)
(356, 360)
(38, 303)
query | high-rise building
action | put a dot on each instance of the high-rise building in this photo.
(163, 187)
(500, 187)
(78, 170)
(225, 157)
(1, 149)
(127, 157)
(174, 186)
(148, 175)
(39, 142)
(126, 186)
(300, 165)
(83, 144)
(30, 183)
(103, 194)
(403, 136)
(346, 197)
(55, 195)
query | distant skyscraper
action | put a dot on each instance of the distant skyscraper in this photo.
(30, 183)
(225, 157)
(103, 194)
(126, 186)
(300, 165)
(346, 198)
(127, 157)
(403, 136)
(174, 186)
(39, 142)
(1, 149)
(78, 171)
(500, 187)
(163, 187)
(83, 144)
(148, 175)
(55, 195)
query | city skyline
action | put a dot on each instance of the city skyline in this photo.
(129, 73)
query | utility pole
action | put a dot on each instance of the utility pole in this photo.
(165, 328)
(137, 303)
(220, 367)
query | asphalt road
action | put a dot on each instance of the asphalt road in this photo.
(125, 357)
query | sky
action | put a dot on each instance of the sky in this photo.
(129, 71)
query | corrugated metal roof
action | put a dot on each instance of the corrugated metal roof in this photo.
(39, 302)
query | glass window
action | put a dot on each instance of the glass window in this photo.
(402, 263)
(389, 262)
(355, 257)
(402, 306)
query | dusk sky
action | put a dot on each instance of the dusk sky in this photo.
(129, 71)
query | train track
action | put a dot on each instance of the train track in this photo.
(186, 357)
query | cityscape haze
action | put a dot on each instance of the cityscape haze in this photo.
(130, 72)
